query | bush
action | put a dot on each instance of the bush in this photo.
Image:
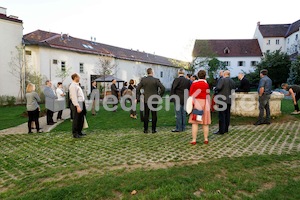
(11, 100)
(3, 100)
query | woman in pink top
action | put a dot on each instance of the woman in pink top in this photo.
(201, 107)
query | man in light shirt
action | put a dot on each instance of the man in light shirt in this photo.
(77, 106)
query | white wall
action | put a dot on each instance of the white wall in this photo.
(41, 60)
(263, 42)
(291, 42)
(233, 67)
(10, 36)
(135, 70)
(260, 39)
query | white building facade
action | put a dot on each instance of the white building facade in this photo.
(48, 53)
(237, 55)
(11, 33)
(284, 37)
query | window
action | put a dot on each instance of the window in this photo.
(226, 50)
(288, 40)
(268, 51)
(253, 63)
(277, 41)
(226, 63)
(54, 62)
(268, 42)
(161, 74)
(241, 63)
(28, 53)
(296, 38)
(81, 68)
(63, 66)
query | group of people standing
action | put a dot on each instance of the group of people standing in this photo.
(198, 91)
(33, 100)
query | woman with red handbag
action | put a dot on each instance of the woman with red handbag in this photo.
(200, 114)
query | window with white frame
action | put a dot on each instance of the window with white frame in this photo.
(254, 63)
(161, 74)
(288, 40)
(54, 61)
(81, 68)
(277, 41)
(241, 63)
(226, 63)
(28, 53)
(268, 42)
(63, 66)
(296, 37)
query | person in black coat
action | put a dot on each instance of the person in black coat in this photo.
(179, 86)
(115, 92)
(244, 83)
(223, 99)
(152, 86)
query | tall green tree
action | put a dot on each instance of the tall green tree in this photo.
(214, 65)
(278, 64)
(294, 75)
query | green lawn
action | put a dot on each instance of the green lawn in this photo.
(11, 116)
(116, 158)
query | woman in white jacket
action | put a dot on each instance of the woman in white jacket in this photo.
(60, 97)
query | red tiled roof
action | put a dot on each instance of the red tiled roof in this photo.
(3, 16)
(69, 43)
(279, 30)
(274, 30)
(293, 28)
(227, 48)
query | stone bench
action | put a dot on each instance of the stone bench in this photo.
(246, 104)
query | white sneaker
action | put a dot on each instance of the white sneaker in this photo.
(295, 112)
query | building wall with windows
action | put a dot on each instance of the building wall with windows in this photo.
(11, 33)
(272, 37)
(234, 64)
(293, 43)
(49, 61)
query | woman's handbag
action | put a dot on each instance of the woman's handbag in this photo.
(197, 114)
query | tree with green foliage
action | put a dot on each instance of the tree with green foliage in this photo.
(294, 74)
(278, 65)
(214, 65)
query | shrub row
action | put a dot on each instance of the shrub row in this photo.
(7, 100)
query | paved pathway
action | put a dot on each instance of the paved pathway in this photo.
(43, 124)
(22, 156)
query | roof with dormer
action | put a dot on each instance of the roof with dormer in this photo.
(227, 48)
(69, 43)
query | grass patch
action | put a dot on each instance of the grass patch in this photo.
(258, 177)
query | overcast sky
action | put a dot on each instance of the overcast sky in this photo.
(166, 27)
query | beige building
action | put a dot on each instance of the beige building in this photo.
(11, 33)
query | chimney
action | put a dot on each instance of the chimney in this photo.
(13, 16)
(258, 23)
(61, 36)
(2, 11)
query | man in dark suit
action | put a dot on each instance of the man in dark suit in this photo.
(244, 83)
(223, 99)
(152, 86)
(180, 84)
(115, 92)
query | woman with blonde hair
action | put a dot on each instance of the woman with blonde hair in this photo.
(33, 108)
(200, 94)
